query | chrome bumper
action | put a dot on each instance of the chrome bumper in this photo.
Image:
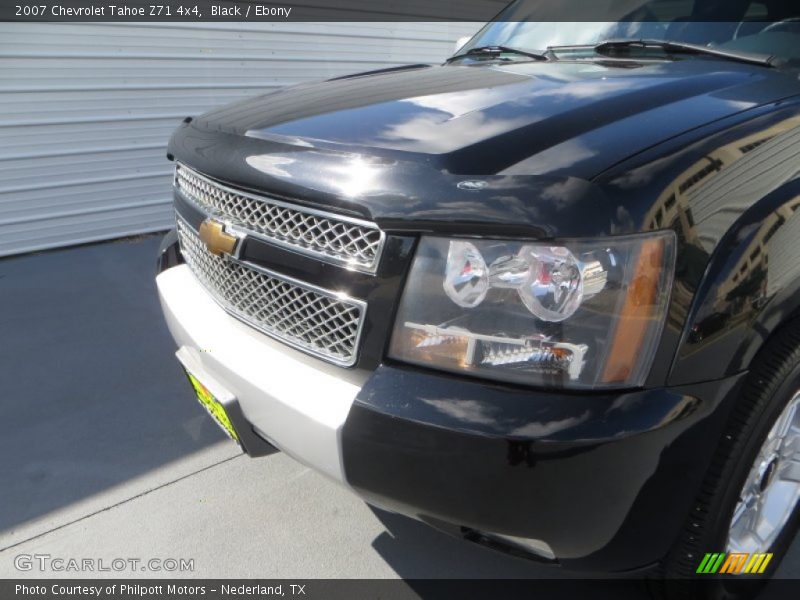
(296, 402)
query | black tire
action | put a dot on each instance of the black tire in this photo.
(773, 380)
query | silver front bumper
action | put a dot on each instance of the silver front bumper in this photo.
(297, 402)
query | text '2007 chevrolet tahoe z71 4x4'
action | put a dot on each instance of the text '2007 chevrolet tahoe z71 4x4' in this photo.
(545, 296)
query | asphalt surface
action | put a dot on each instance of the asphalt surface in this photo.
(106, 454)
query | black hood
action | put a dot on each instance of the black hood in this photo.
(474, 148)
(521, 118)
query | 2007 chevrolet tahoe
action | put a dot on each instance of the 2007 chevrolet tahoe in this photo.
(544, 296)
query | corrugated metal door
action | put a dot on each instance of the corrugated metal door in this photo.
(86, 109)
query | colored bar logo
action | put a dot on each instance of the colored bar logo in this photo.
(735, 563)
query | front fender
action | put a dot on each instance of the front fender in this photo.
(729, 190)
(751, 288)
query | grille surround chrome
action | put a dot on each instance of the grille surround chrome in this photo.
(208, 269)
(353, 243)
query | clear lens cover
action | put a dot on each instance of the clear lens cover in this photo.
(467, 279)
(584, 314)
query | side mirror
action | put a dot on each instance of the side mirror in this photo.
(460, 43)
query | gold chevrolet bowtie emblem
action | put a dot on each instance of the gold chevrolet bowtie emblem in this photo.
(216, 240)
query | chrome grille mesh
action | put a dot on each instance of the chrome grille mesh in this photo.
(321, 324)
(355, 243)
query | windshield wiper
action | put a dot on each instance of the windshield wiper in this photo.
(609, 47)
(496, 51)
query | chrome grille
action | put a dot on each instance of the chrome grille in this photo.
(308, 318)
(338, 239)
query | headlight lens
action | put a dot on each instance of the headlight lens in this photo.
(467, 278)
(584, 314)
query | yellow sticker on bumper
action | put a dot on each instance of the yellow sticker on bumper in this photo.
(214, 408)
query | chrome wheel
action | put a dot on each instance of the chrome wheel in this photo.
(772, 488)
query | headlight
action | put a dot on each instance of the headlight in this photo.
(584, 314)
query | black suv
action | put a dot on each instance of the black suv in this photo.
(544, 296)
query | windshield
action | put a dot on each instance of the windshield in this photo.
(765, 27)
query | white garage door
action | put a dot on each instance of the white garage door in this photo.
(86, 109)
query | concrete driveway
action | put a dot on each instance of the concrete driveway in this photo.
(106, 454)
